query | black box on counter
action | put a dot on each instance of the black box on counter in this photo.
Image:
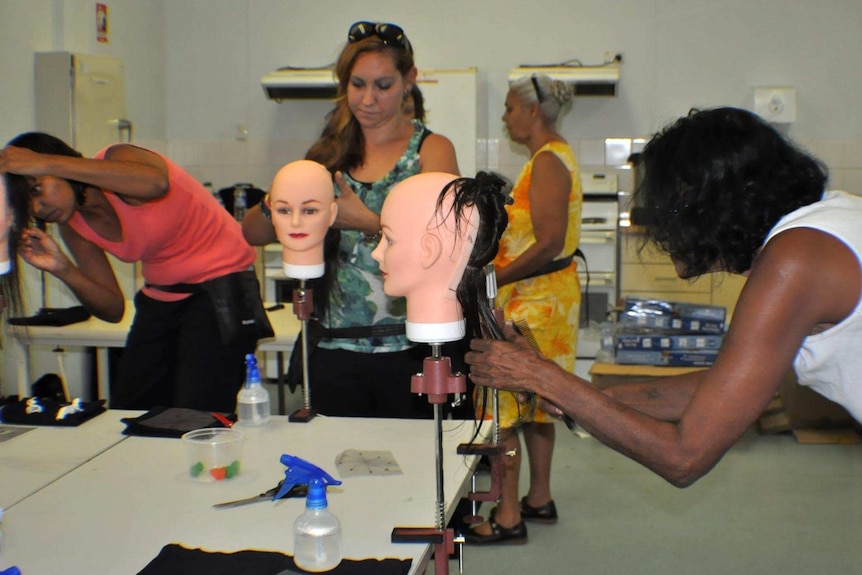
(679, 317)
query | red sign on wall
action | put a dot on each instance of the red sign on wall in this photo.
(102, 23)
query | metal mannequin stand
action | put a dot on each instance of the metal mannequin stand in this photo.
(303, 305)
(436, 381)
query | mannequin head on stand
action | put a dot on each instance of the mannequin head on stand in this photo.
(439, 231)
(302, 202)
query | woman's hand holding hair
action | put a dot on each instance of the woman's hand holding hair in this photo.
(352, 213)
(511, 365)
(41, 251)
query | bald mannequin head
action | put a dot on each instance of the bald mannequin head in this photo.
(302, 202)
(424, 251)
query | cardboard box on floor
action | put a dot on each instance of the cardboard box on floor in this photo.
(811, 417)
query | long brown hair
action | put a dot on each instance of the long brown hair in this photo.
(341, 145)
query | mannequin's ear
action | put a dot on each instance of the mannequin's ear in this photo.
(334, 213)
(431, 248)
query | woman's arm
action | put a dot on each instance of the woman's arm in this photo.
(801, 279)
(136, 174)
(550, 187)
(662, 398)
(92, 280)
(437, 154)
(257, 228)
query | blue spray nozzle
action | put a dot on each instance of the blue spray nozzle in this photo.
(252, 373)
(300, 471)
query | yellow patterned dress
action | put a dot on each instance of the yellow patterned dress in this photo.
(551, 303)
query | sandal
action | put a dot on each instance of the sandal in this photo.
(516, 535)
(546, 513)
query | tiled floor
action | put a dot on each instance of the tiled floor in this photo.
(771, 506)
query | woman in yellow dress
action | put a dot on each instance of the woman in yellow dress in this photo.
(538, 284)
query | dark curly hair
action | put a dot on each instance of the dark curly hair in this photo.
(487, 192)
(716, 182)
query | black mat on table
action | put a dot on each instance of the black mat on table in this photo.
(171, 422)
(174, 559)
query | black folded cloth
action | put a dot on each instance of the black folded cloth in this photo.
(171, 422)
(54, 316)
(175, 559)
(44, 411)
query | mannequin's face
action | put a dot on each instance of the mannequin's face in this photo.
(302, 201)
(420, 253)
(399, 250)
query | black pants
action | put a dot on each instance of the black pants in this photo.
(350, 384)
(174, 358)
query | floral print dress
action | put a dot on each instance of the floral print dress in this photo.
(550, 303)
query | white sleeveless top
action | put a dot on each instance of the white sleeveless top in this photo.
(830, 362)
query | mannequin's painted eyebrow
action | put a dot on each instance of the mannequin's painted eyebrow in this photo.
(312, 201)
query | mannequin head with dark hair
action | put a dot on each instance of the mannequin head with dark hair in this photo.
(439, 232)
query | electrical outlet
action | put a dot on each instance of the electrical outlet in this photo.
(775, 104)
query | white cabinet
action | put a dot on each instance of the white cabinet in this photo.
(81, 99)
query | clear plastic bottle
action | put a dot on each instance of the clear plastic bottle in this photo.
(239, 203)
(253, 399)
(316, 533)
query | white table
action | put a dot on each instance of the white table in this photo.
(114, 513)
(101, 335)
(42, 455)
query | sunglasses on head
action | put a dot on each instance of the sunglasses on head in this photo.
(539, 96)
(389, 34)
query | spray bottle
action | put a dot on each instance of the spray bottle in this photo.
(316, 532)
(253, 398)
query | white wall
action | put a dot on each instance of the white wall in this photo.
(677, 54)
(193, 68)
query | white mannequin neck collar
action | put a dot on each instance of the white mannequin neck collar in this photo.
(436, 332)
(303, 272)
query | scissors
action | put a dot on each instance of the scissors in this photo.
(298, 490)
